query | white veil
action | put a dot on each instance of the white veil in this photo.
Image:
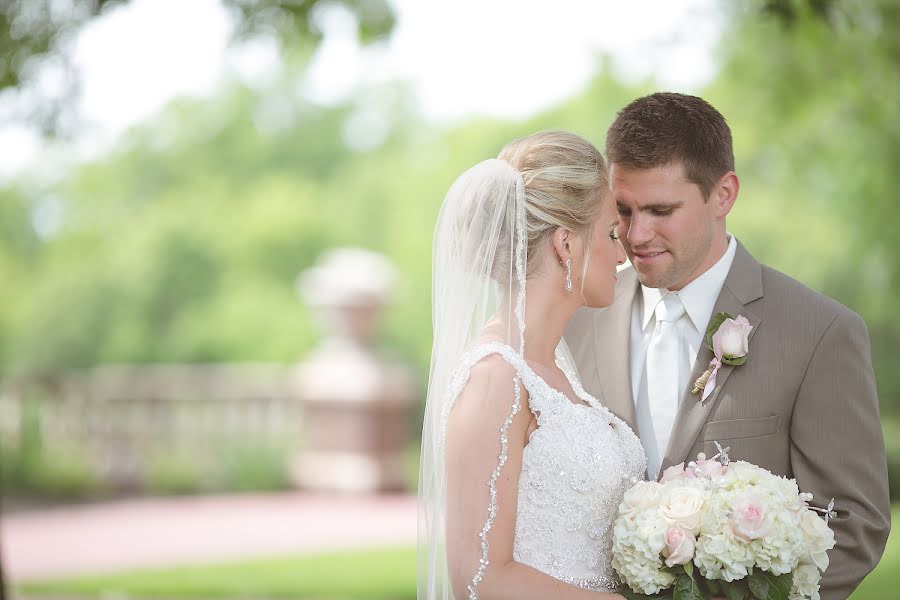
(478, 262)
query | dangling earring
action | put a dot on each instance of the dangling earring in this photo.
(569, 275)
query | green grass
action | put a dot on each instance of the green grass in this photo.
(375, 575)
(884, 582)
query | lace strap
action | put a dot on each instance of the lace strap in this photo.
(461, 375)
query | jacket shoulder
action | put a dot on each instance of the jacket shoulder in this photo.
(790, 293)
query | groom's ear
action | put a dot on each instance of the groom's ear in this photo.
(725, 194)
(562, 243)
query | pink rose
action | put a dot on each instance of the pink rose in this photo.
(713, 468)
(672, 473)
(732, 340)
(749, 521)
(679, 546)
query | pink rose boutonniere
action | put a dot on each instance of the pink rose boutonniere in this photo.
(729, 340)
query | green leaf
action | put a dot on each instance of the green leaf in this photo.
(686, 588)
(759, 585)
(689, 568)
(734, 590)
(736, 361)
(779, 585)
(714, 586)
(714, 325)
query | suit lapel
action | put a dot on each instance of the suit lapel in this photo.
(742, 286)
(613, 335)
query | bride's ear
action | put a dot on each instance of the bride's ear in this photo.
(562, 240)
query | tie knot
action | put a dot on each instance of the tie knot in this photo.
(669, 309)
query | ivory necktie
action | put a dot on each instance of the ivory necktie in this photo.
(663, 386)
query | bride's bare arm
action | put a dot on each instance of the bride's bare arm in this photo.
(472, 454)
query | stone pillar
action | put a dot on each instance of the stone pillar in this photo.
(358, 405)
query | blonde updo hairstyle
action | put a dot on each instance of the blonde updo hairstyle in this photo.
(565, 180)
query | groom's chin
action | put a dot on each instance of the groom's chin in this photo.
(654, 274)
(649, 278)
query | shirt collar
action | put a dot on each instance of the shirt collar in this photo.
(699, 296)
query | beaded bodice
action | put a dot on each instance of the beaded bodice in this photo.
(576, 467)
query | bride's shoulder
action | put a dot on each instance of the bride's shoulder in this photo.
(487, 392)
(489, 371)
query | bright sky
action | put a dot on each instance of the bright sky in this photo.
(505, 58)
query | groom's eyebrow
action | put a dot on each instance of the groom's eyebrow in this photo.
(654, 207)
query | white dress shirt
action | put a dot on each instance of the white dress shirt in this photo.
(699, 299)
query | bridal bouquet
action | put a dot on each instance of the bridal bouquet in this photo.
(720, 528)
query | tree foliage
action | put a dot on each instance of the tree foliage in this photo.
(183, 245)
(38, 33)
(815, 97)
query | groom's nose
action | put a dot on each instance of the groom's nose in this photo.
(639, 232)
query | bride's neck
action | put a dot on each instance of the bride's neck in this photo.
(546, 318)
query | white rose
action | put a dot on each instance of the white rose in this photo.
(641, 496)
(681, 506)
(819, 538)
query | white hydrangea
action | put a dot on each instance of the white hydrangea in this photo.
(639, 538)
(805, 583)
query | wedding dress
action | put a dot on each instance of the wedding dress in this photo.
(576, 468)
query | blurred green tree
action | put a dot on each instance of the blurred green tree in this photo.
(812, 89)
(183, 244)
(38, 33)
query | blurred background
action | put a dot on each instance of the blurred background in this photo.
(215, 239)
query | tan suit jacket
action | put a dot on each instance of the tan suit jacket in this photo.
(804, 405)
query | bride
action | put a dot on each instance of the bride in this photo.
(522, 471)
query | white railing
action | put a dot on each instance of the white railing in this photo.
(118, 416)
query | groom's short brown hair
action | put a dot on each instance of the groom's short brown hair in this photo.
(665, 128)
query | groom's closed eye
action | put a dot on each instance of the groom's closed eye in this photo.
(660, 211)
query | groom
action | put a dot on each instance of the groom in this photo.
(803, 405)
